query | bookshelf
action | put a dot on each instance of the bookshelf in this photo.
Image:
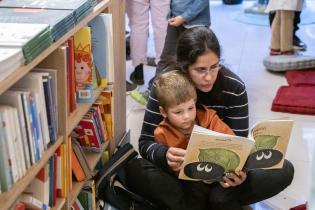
(54, 57)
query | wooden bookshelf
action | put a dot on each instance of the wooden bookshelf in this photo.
(94, 157)
(8, 198)
(81, 110)
(60, 203)
(20, 72)
(49, 59)
(76, 189)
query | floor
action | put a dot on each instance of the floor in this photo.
(244, 47)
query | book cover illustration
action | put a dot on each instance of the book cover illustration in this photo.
(210, 154)
(83, 65)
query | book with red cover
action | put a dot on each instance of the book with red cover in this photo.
(295, 99)
(86, 133)
(71, 76)
(298, 77)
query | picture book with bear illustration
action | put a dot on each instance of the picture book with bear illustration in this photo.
(210, 154)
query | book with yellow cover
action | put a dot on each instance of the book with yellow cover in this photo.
(83, 65)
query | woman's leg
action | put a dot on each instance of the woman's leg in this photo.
(159, 10)
(259, 185)
(138, 14)
(164, 189)
(286, 30)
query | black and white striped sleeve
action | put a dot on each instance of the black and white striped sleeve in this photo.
(148, 148)
(236, 108)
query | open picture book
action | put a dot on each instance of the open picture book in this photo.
(210, 154)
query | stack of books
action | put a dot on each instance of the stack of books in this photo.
(31, 38)
(79, 8)
(60, 21)
(10, 59)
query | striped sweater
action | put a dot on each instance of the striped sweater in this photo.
(228, 97)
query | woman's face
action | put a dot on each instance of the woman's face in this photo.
(204, 71)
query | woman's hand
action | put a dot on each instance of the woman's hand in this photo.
(232, 180)
(175, 158)
(176, 21)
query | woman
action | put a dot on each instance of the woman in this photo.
(198, 55)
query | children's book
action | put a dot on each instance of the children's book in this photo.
(211, 154)
(83, 65)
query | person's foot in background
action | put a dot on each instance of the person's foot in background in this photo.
(130, 87)
(298, 44)
(151, 61)
(137, 75)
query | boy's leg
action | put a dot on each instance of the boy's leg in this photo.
(159, 10)
(286, 30)
(164, 189)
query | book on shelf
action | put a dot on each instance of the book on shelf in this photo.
(72, 104)
(79, 8)
(11, 58)
(39, 186)
(14, 99)
(50, 85)
(12, 142)
(31, 38)
(101, 28)
(60, 21)
(76, 168)
(32, 203)
(83, 65)
(210, 154)
(34, 82)
(82, 159)
(77, 205)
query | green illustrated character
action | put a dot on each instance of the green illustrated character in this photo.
(212, 165)
(263, 155)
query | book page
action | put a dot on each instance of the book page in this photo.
(271, 142)
(211, 154)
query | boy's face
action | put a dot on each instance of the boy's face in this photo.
(181, 116)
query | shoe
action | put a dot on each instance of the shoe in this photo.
(274, 52)
(137, 75)
(130, 87)
(298, 44)
(140, 97)
(151, 61)
(289, 52)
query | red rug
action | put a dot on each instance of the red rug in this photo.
(298, 77)
(295, 99)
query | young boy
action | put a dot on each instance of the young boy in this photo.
(177, 99)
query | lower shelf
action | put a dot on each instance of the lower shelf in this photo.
(8, 198)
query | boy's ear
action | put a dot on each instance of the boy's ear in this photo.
(163, 112)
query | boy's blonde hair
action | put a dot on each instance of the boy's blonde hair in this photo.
(174, 88)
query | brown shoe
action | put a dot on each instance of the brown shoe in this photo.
(289, 52)
(274, 52)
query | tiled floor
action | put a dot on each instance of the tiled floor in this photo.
(244, 47)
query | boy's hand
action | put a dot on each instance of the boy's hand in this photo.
(232, 180)
(175, 158)
(176, 21)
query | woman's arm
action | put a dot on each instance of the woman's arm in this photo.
(148, 148)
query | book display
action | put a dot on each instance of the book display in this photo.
(43, 164)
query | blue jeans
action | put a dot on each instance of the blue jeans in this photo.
(167, 191)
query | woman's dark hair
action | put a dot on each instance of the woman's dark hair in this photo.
(193, 43)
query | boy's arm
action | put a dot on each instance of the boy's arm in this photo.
(194, 9)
